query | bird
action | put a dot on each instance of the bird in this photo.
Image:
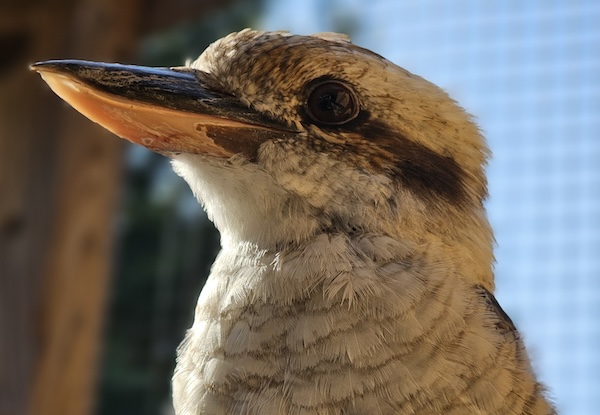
(356, 267)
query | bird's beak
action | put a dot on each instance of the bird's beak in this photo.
(169, 111)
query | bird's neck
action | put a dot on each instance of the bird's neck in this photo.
(256, 215)
(466, 243)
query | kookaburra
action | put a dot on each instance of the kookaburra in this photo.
(355, 275)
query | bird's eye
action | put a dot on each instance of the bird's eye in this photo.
(332, 103)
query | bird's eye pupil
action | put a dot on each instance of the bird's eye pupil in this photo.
(332, 103)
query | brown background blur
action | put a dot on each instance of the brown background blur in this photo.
(60, 185)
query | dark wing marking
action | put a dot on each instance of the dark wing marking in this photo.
(504, 322)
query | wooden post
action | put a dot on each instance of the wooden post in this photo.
(58, 180)
(59, 177)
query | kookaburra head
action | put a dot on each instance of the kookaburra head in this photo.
(349, 196)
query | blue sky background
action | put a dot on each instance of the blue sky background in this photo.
(530, 72)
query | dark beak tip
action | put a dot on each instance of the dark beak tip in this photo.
(36, 66)
(44, 66)
(63, 65)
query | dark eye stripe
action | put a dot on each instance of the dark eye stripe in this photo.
(429, 174)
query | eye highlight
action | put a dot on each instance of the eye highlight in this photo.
(331, 103)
